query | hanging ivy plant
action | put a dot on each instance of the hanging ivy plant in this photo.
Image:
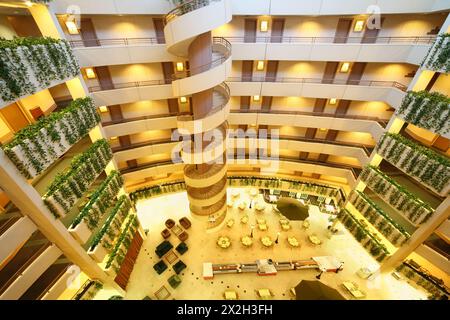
(410, 206)
(378, 218)
(100, 201)
(28, 65)
(125, 237)
(421, 163)
(363, 236)
(70, 185)
(37, 146)
(438, 57)
(427, 110)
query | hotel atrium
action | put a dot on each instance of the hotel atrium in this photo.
(224, 150)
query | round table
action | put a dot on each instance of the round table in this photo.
(229, 204)
(314, 239)
(224, 242)
(260, 207)
(235, 193)
(253, 192)
(267, 241)
(242, 205)
(293, 242)
(246, 241)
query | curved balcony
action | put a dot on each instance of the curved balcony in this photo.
(200, 15)
(197, 179)
(357, 49)
(391, 92)
(205, 76)
(218, 114)
(209, 210)
(203, 197)
(197, 154)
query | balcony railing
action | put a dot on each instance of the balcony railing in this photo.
(382, 122)
(336, 40)
(186, 8)
(133, 84)
(355, 171)
(297, 40)
(149, 117)
(225, 53)
(368, 83)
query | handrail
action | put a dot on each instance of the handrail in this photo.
(370, 83)
(149, 117)
(186, 8)
(214, 108)
(382, 122)
(366, 149)
(335, 40)
(355, 171)
(117, 42)
(208, 66)
(103, 42)
(133, 84)
(210, 209)
(21, 269)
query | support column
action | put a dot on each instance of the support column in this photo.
(418, 237)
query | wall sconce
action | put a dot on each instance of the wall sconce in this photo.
(90, 74)
(72, 25)
(260, 65)
(183, 99)
(180, 66)
(359, 25)
(103, 109)
(113, 138)
(264, 26)
(323, 129)
(345, 67)
(332, 101)
(256, 98)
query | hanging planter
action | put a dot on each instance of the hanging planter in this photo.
(421, 163)
(29, 65)
(427, 110)
(80, 232)
(68, 187)
(438, 57)
(98, 253)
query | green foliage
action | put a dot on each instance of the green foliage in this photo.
(413, 208)
(427, 110)
(70, 185)
(421, 163)
(363, 236)
(116, 217)
(125, 238)
(100, 201)
(378, 218)
(44, 59)
(37, 146)
(438, 57)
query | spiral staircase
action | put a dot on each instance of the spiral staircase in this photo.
(188, 34)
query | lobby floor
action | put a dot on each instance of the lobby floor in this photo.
(144, 281)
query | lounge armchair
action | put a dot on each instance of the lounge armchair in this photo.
(181, 248)
(165, 233)
(183, 236)
(185, 223)
(174, 281)
(163, 248)
(160, 267)
(169, 223)
(179, 266)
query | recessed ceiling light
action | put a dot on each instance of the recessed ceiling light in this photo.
(345, 67)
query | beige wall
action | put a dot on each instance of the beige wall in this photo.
(5, 132)
(388, 72)
(442, 84)
(393, 26)
(6, 30)
(144, 108)
(150, 135)
(42, 99)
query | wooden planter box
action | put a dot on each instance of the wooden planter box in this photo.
(81, 232)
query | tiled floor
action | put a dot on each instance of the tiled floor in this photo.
(202, 248)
